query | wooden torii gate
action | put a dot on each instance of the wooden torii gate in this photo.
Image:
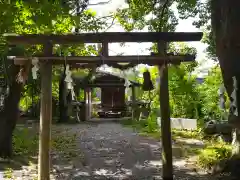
(47, 59)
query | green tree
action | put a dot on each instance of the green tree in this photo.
(158, 16)
(155, 15)
(223, 40)
(210, 96)
(219, 18)
(34, 17)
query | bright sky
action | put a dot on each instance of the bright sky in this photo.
(141, 48)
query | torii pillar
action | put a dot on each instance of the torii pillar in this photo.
(45, 116)
(166, 139)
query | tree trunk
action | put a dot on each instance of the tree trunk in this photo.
(226, 28)
(10, 114)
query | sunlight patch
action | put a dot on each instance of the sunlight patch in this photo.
(180, 163)
(103, 172)
(121, 173)
(81, 173)
(155, 163)
(106, 149)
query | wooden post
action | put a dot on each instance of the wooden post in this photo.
(167, 171)
(83, 109)
(133, 94)
(45, 117)
(86, 99)
(105, 49)
(133, 103)
(89, 103)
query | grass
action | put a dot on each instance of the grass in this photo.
(187, 134)
(25, 147)
(64, 144)
(25, 142)
(209, 155)
(8, 173)
(144, 129)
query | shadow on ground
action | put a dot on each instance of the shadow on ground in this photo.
(110, 151)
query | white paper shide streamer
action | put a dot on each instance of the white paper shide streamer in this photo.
(35, 67)
(234, 95)
(68, 78)
(127, 83)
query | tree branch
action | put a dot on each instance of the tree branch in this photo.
(99, 3)
(103, 17)
(164, 7)
(112, 23)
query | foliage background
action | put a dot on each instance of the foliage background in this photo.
(187, 98)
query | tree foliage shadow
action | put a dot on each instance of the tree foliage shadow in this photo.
(143, 163)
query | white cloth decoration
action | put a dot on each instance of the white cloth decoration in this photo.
(221, 90)
(234, 95)
(128, 91)
(35, 67)
(73, 94)
(98, 93)
(127, 83)
(158, 81)
(68, 78)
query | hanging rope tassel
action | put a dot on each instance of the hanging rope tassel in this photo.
(147, 82)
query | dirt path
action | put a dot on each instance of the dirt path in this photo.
(111, 151)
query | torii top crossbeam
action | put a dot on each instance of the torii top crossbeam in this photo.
(106, 37)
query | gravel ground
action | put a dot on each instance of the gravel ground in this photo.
(112, 151)
(109, 151)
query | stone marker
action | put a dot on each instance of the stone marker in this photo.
(181, 123)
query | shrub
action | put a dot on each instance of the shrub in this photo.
(212, 155)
